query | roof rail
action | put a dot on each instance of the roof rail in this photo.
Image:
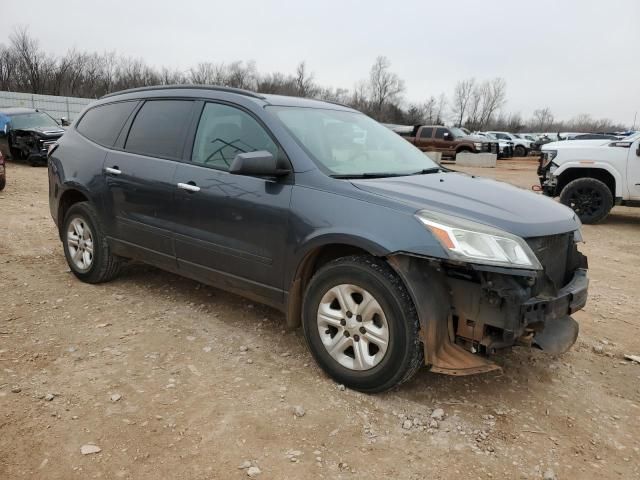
(239, 91)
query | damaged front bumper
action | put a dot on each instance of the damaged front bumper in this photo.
(469, 312)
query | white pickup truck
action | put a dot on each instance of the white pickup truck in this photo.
(591, 176)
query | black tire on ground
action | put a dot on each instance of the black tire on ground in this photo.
(16, 154)
(104, 266)
(3, 182)
(519, 151)
(590, 198)
(404, 354)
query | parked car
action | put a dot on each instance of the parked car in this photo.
(591, 176)
(388, 261)
(505, 148)
(521, 147)
(3, 172)
(27, 134)
(448, 140)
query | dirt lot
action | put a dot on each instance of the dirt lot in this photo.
(173, 379)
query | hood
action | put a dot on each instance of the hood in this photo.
(44, 131)
(576, 144)
(481, 200)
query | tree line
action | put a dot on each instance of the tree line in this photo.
(477, 105)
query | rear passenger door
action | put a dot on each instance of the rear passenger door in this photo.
(139, 179)
(230, 229)
(424, 140)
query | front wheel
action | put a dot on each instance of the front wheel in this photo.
(361, 325)
(590, 198)
(520, 151)
(85, 246)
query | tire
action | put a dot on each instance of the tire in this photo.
(101, 266)
(390, 314)
(590, 198)
(3, 182)
(519, 151)
(16, 154)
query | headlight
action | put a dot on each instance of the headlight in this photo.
(477, 243)
(478, 145)
(548, 156)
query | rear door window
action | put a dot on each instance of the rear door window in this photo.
(159, 128)
(103, 123)
(426, 132)
(226, 131)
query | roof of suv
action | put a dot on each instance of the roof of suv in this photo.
(269, 99)
(15, 111)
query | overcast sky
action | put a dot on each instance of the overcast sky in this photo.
(573, 56)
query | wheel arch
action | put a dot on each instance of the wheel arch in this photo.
(316, 253)
(605, 175)
(68, 198)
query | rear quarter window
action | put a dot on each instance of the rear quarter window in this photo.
(102, 124)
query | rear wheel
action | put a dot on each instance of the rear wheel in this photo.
(590, 198)
(361, 325)
(85, 246)
(520, 151)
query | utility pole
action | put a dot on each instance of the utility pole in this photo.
(634, 121)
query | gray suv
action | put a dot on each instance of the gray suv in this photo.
(387, 260)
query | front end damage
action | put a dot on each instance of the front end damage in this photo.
(468, 312)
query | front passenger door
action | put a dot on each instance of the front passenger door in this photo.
(231, 230)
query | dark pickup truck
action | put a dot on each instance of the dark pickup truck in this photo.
(448, 140)
(26, 134)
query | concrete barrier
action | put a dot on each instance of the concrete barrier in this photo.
(487, 160)
(435, 156)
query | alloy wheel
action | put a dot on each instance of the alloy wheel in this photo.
(80, 244)
(353, 327)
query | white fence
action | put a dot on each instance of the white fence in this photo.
(57, 107)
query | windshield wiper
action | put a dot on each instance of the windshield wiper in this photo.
(427, 171)
(368, 175)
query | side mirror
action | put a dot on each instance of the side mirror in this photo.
(259, 164)
(447, 136)
(64, 122)
(4, 131)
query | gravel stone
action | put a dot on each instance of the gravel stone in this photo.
(89, 449)
(253, 472)
(438, 414)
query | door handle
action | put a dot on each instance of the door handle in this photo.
(113, 170)
(190, 187)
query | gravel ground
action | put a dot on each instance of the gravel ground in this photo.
(155, 376)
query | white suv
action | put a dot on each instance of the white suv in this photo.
(521, 146)
(591, 176)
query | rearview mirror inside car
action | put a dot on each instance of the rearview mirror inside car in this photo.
(259, 163)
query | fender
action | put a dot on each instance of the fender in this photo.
(592, 164)
(324, 238)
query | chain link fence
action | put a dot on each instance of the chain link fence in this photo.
(57, 107)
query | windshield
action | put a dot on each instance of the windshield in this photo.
(350, 143)
(32, 120)
(457, 132)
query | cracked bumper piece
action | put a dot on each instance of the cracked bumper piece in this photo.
(467, 313)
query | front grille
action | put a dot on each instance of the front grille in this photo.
(553, 253)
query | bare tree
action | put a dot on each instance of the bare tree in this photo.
(385, 86)
(461, 96)
(305, 86)
(542, 119)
